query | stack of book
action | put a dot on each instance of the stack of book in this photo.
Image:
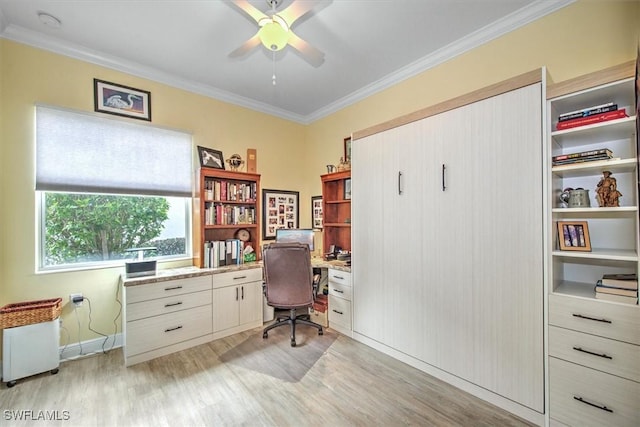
(591, 115)
(618, 288)
(584, 156)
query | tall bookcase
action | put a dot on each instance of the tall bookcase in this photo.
(336, 210)
(594, 344)
(226, 203)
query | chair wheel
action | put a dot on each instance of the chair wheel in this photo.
(54, 371)
(11, 384)
(265, 335)
(293, 343)
(320, 332)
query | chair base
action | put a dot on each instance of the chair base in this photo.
(292, 320)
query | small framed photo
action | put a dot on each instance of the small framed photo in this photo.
(121, 100)
(316, 212)
(210, 158)
(574, 236)
(347, 189)
(347, 149)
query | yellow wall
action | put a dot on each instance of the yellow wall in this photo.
(583, 37)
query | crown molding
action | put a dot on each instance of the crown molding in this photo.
(496, 29)
(82, 53)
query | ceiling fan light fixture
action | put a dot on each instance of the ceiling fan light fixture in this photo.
(273, 36)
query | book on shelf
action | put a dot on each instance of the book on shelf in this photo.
(594, 158)
(616, 291)
(596, 109)
(617, 298)
(621, 280)
(581, 154)
(596, 118)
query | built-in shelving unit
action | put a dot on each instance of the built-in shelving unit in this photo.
(227, 202)
(594, 344)
(336, 207)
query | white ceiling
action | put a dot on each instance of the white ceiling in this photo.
(369, 45)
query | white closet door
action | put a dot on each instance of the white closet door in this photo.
(508, 245)
(370, 257)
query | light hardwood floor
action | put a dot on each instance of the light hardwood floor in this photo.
(328, 380)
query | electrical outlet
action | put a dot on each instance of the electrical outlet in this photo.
(74, 299)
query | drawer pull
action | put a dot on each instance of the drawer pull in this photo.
(173, 288)
(338, 277)
(336, 311)
(173, 304)
(338, 291)
(592, 353)
(592, 318)
(604, 408)
(239, 277)
(173, 329)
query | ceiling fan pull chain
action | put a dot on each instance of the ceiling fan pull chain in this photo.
(273, 79)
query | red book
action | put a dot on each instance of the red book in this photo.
(597, 118)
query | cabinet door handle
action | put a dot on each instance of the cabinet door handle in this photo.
(606, 356)
(337, 290)
(444, 187)
(236, 294)
(239, 277)
(336, 311)
(399, 183)
(173, 304)
(604, 408)
(243, 292)
(173, 288)
(591, 318)
(173, 329)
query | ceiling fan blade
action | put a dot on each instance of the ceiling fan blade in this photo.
(312, 55)
(246, 47)
(297, 9)
(249, 9)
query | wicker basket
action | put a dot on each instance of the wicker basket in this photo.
(29, 312)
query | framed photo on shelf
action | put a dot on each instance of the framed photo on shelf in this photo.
(121, 100)
(347, 149)
(280, 209)
(316, 212)
(574, 236)
(347, 189)
(210, 158)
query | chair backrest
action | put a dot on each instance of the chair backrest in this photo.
(288, 275)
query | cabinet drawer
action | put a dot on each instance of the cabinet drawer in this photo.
(341, 277)
(159, 331)
(340, 290)
(614, 357)
(570, 382)
(339, 311)
(616, 321)
(169, 288)
(140, 310)
(237, 277)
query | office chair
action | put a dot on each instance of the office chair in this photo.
(288, 284)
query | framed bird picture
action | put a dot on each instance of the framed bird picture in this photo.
(121, 100)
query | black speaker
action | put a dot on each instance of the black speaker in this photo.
(140, 268)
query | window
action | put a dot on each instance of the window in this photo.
(106, 185)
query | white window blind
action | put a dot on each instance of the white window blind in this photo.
(78, 152)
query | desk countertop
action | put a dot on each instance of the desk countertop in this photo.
(187, 272)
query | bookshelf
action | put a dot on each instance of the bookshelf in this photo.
(336, 208)
(590, 339)
(226, 203)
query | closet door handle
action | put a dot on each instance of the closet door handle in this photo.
(443, 184)
(606, 356)
(399, 183)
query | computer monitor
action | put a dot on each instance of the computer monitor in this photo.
(299, 235)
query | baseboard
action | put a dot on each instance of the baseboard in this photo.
(90, 347)
(479, 392)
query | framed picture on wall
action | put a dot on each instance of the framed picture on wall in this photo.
(121, 100)
(347, 149)
(280, 209)
(316, 212)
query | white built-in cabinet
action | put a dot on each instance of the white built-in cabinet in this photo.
(448, 239)
(237, 301)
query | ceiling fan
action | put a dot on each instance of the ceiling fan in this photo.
(275, 29)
